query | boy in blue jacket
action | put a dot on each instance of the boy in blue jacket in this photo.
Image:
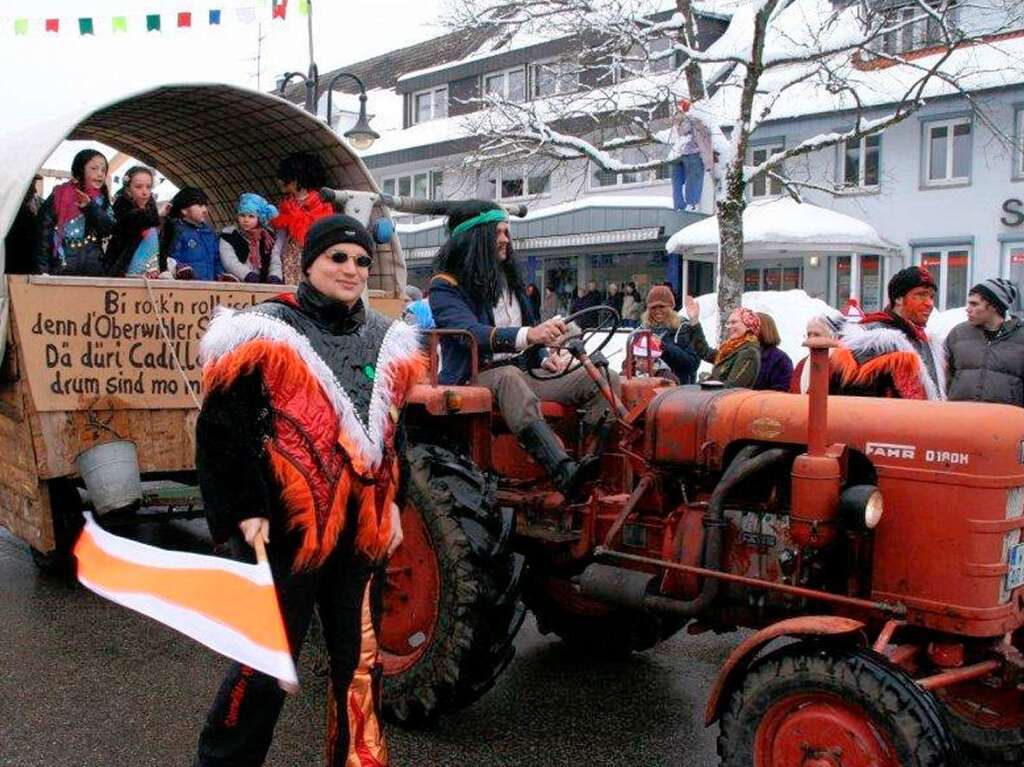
(189, 246)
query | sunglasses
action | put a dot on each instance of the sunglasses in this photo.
(342, 258)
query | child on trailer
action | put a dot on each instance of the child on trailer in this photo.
(247, 251)
(134, 245)
(189, 247)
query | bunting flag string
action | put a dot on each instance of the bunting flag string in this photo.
(248, 13)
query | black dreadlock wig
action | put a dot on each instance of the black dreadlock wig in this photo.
(471, 257)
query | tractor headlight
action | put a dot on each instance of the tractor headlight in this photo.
(862, 506)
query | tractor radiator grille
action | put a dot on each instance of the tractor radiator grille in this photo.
(1014, 510)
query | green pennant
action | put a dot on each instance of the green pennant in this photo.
(153, 22)
(119, 24)
(85, 26)
(303, 7)
(21, 26)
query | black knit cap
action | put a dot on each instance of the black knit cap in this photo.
(188, 196)
(333, 230)
(905, 280)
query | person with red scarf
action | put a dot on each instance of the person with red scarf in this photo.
(888, 353)
(75, 220)
(737, 361)
(247, 250)
(300, 176)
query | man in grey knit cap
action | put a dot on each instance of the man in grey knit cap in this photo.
(985, 355)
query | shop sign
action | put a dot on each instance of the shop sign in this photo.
(1014, 212)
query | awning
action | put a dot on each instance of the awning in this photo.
(783, 225)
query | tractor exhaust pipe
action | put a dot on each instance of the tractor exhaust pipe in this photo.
(608, 584)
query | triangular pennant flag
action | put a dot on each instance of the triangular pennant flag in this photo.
(153, 22)
(119, 24)
(303, 7)
(85, 26)
(53, 25)
(21, 26)
(246, 14)
(184, 19)
(280, 9)
(214, 17)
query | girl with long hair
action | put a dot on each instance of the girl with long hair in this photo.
(135, 242)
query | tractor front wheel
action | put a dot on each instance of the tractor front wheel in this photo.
(451, 597)
(988, 721)
(814, 704)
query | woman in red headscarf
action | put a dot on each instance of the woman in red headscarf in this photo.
(738, 360)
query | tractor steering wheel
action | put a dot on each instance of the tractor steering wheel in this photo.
(607, 322)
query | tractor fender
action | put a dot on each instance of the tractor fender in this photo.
(748, 649)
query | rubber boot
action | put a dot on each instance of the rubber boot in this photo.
(543, 445)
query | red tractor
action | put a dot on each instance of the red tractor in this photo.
(882, 538)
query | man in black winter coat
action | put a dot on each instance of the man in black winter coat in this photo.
(985, 355)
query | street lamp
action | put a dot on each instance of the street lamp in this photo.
(361, 134)
(311, 81)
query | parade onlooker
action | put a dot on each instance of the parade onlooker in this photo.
(21, 241)
(189, 247)
(418, 313)
(823, 326)
(888, 353)
(135, 242)
(614, 298)
(678, 361)
(410, 295)
(247, 250)
(300, 177)
(478, 288)
(75, 219)
(632, 306)
(986, 354)
(533, 294)
(776, 367)
(587, 299)
(549, 304)
(737, 360)
(691, 146)
(279, 461)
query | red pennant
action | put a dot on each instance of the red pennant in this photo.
(184, 19)
(53, 25)
(280, 9)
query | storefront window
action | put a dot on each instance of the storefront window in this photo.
(950, 267)
(1015, 258)
(752, 279)
(843, 281)
(871, 283)
(792, 278)
(773, 279)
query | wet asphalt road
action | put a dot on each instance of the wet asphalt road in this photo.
(85, 683)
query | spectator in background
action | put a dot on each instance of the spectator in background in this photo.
(776, 370)
(410, 295)
(693, 155)
(75, 219)
(135, 242)
(632, 306)
(533, 294)
(737, 360)
(21, 242)
(247, 250)
(549, 304)
(300, 177)
(986, 353)
(615, 298)
(588, 300)
(189, 247)
(823, 326)
(677, 357)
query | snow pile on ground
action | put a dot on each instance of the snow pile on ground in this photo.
(791, 310)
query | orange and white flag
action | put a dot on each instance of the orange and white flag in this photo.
(230, 607)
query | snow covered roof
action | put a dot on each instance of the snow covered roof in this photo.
(784, 225)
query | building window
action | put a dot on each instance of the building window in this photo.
(763, 185)
(861, 162)
(1013, 254)
(601, 179)
(917, 29)
(507, 185)
(1018, 157)
(551, 78)
(950, 267)
(425, 185)
(773, 278)
(509, 85)
(947, 147)
(858, 276)
(430, 105)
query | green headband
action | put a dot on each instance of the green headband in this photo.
(492, 216)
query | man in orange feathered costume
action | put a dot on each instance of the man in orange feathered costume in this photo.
(888, 353)
(296, 444)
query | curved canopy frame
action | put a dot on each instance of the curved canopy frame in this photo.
(224, 139)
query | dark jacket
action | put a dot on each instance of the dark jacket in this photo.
(776, 370)
(738, 369)
(676, 352)
(453, 307)
(197, 247)
(20, 243)
(986, 367)
(588, 301)
(130, 223)
(79, 256)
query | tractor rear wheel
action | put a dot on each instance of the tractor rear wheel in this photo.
(593, 627)
(451, 598)
(66, 511)
(809, 703)
(988, 721)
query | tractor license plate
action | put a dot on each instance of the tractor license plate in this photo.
(1015, 577)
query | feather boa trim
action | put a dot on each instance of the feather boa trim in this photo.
(889, 352)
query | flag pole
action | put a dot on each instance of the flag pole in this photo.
(261, 558)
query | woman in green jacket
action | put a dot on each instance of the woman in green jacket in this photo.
(738, 360)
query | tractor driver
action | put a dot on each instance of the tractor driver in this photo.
(477, 287)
